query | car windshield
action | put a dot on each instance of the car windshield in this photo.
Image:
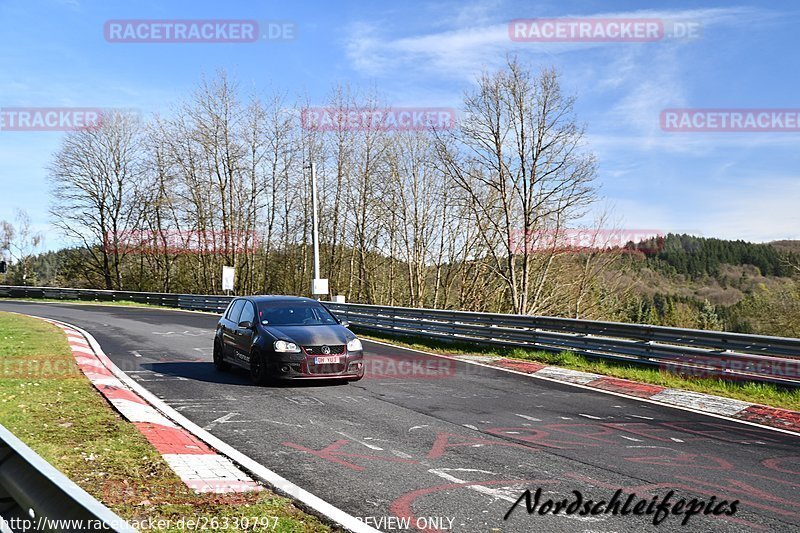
(294, 314)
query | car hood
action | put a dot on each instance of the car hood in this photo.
(312, 335)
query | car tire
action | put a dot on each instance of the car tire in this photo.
(219, 363)
(259, 374)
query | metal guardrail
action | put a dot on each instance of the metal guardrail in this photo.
(196, 302)
(34, 496)
(688, 351)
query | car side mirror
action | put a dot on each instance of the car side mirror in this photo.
(246, 324)
(344, 323)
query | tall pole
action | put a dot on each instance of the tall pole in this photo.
(315, 230)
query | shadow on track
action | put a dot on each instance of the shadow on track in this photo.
(205, 371)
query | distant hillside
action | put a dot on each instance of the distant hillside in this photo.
(689, 281)
(787, 246)
(697, 257)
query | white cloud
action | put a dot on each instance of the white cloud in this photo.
(476, 43)
(762, 210)
(758, 210)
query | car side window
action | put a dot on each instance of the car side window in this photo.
(235, 311)
(248, 313)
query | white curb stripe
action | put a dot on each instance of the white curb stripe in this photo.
(138, 412)
(565, 374)
(706, 402)
(204, 467)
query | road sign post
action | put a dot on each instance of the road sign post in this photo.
(228, 278)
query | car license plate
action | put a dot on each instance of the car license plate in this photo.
(327, 360)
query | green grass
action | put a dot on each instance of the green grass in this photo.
(120, 303)
(763, 393)
(48, 403)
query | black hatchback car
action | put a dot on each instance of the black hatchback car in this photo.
(286, 337)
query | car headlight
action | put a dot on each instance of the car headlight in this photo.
(354, 346)
(286, 346)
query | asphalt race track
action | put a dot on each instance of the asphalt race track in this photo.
(452, 446)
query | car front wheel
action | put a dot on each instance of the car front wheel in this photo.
(219, 362)
(258, 369)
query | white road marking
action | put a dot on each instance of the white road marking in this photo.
(219, 420)
(361, 442)
(400, 454)
(630, 438)
(136, 353)
(417, 427)
(526, 417)
(504, 493)
(590, 416)
(643, 417)
(226, 419)
(469, 426)
(676, 440)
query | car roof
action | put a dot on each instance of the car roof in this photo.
(278, 298)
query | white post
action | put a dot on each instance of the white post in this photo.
(318, 286)
(315, 230)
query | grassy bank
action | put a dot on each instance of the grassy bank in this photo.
(763, 393)
(119, 303)
(48, 403)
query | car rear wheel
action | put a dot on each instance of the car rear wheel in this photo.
(219, 362)
(258, 369)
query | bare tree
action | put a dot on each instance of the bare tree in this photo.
(417, 192)
(21, 243)
(96, 177)
(519, 158)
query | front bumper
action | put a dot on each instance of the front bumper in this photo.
(302, 366)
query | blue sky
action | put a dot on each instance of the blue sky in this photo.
(730, 185)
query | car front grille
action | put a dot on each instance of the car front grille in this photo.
(336, 349)
(326, 369)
